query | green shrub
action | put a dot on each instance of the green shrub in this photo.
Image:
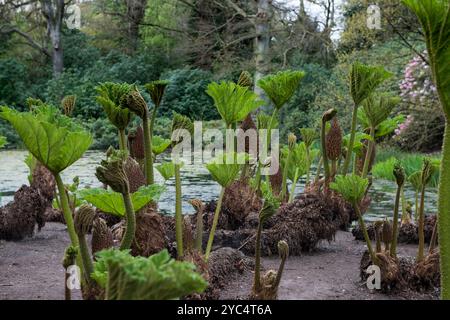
(186, 95)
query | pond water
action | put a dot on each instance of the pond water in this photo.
(196, 183)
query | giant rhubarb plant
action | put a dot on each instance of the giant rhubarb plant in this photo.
(224, 169)
(353, 189)
(425, 177)
(399, 174)
(376, 109)
(363, 80)
(279, 88)
(434, 16)
(56, 142)
(158, 277)
(111, 172)
(136, 103)
(180, 123)
(110, 97)
(233, 102)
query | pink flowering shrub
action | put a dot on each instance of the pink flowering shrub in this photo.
(416, 86)
(424, 125)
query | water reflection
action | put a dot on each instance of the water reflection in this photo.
(196, 183)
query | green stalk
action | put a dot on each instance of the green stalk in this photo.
(86, 259)
(362, 225)
(444, 216)
(420, 254)
(333, 168)
(178, 213)
(269, 130)
(67, 213)
(148, 151)
(214, 225)
(285, 172)
(131, 223)
(319, 168)
(66, 210)
(257, 276)
(405, 216)
(416, 196)
(308, 166)
(122, 140)
(393, 250)
(351, 142)
(369, 153)
(294, 184)
(355, 163)
(433, 239)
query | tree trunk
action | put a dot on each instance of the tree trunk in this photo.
(262, 41)
(53, 11)
(135, 15)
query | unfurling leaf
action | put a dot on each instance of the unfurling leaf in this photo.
(112, 202)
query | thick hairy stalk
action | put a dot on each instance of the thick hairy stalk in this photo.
(149, 175)
(178, 213)
(433, 239)
(405, 214)
(393, 250)
(214, 225)
(308, 166)
(86, 258)
(122, 140)
(420, 254)
(283, 250)
(83, 220)
(294, 185)
(319, 169)
(444, 215)
(66, 210)
(362, 225)
(70, 256)
(369, 154)
(351, 141)
(131, 223)
(285, 173)
(416, 197)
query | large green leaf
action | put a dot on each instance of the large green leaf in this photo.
(110, 97)
(232, 101)
(352, 187)
(54, 146)
(112, 202)
(225, 167)
(434, 16)
(280, 87)
(158, 277)
(167, 169)
(363, 80)
(377, 109)
(159, 145)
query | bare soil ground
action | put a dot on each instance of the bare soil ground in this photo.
(31, 269)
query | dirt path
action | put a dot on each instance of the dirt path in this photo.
(329, 273)
(31, 269)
